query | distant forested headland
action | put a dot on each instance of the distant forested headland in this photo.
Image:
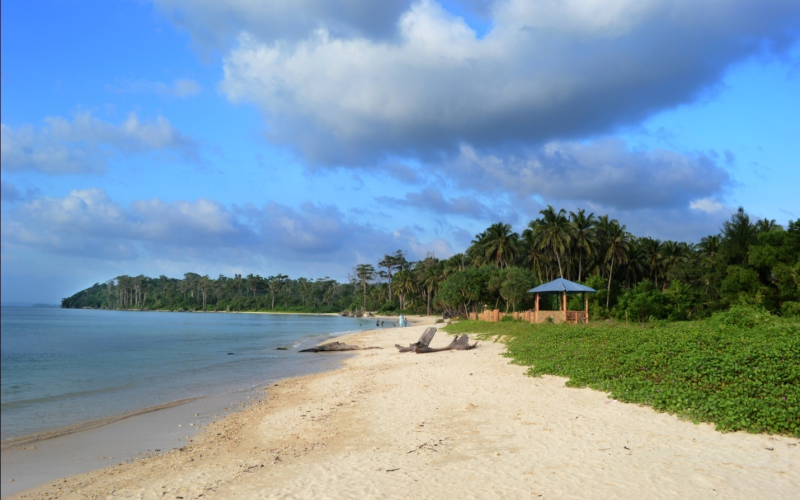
(752, 261)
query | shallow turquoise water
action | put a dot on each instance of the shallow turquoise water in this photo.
(65, 366)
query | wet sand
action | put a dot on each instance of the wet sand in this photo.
(446, 425)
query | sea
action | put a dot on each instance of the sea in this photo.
(63, 367)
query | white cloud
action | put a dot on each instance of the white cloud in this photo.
(707, 205)
(546, 70)
(87, 223)
(85, 144)
(603, 172)
(432, 200)
(213, 23)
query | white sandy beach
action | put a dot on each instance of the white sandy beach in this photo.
(457, 424)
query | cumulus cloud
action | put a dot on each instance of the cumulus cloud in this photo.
(87, 143)
(545, 71)
(212, 23)
(87, 222)
(603, 172)
(183, 87)
(432, 200)
(707, 205)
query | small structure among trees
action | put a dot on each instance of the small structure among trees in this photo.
(558, 286)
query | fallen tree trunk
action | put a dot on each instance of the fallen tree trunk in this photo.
(459, 344)
(337, 346)
(424, 340)
(423, 344)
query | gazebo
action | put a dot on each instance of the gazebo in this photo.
(564, 287)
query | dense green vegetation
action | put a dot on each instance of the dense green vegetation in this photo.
(637, 278)
(739, 369)
(200, 293)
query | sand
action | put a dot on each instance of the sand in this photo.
(457, 424)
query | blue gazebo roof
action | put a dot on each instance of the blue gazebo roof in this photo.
(561, 285)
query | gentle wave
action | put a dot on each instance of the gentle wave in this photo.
(58, 397)
(85, 426)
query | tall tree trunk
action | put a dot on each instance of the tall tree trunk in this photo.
(429, 302)
(560, 272)
(610, 275)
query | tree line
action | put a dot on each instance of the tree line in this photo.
(756, 261)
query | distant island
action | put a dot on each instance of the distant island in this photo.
(638, 278)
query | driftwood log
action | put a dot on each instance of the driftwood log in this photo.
(337, 346)
(423, 344)
(424, 340)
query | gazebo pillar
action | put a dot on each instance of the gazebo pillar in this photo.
(536, 310)
(565, 306)
(586, 300)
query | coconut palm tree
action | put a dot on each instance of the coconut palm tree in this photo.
(500, 244)
(476, 249)
(404, 285)
(619, 243)
(585, 237)
(553, 232)
(652, 250)
(674, 253)
(431, 279)
(529, 251)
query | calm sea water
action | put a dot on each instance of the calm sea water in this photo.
(65, 366)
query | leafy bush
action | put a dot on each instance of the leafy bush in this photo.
(642, 302)
(744, 315)
(387, 308)
(791, 309)
(721, 370)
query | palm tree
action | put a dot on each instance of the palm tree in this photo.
(634, 270)
(476, 249)
(431, 279)
(455, 263)
(652, 250)
(500, 244)
(585, 238)
(767, 225)
(531, 256)
(404, 285)
(553, 232)
(674, 253)
(618, 246)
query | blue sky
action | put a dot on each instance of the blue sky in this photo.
(305, 137)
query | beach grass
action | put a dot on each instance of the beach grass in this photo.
(739, 375)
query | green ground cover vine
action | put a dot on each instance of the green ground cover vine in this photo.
(723, 370)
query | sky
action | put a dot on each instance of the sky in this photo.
(171, 136)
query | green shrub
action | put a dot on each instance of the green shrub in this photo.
(791, 309)
(388, 308)
(744, 315)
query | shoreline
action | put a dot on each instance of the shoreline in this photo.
(392, 425)
(16, 450)
(52, 433)
(37, 437)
